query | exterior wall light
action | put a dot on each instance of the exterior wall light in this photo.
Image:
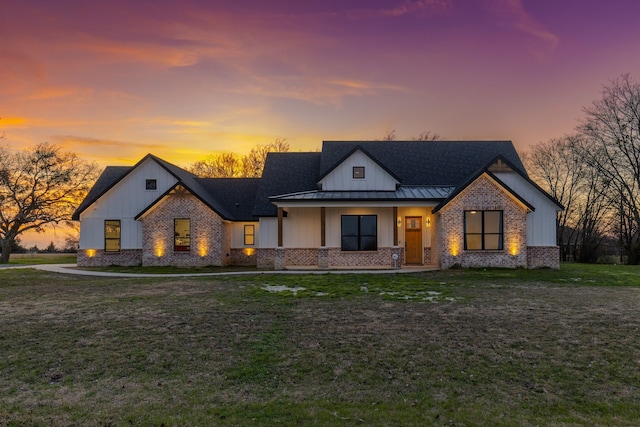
(91, 253)
(428, 221)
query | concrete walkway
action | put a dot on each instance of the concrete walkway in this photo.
(73, 269)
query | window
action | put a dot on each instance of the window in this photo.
(359, 233)
(482, 230)
(182, 233)
(151, 184)
(112, 235)
(249, 234)
(358, 172)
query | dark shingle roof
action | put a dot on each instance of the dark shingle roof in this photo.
(425, 162)
(235, 195)
(285, 173)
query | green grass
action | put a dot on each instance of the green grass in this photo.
(455, 347)
(32, 259)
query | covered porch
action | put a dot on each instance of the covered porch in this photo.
(325, 230)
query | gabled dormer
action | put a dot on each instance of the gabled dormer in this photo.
(358, 171)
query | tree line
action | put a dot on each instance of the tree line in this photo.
(595, 173)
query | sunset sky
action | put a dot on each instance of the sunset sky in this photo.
(114, 80)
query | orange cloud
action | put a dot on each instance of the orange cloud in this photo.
(47, 93)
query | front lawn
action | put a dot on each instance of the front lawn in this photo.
(456, 347)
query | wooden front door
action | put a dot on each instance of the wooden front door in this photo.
(413, 239)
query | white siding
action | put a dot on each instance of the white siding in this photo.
(268, 232)
(301, 228)
(237, 234)
(341, 178)
(541, 224)
(124, 201)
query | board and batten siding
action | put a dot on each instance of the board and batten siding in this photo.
(375, 178)
(123, 202)
(541, 230)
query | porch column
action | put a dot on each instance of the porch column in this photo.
(323, 227)
(395, 226)
(279, 227)
(323, 252)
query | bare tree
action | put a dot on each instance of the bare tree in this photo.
(224, 165)
(229, 165)
(39, 188)
(425, 135)
(559, 170)
(254, 161)
(612, 128)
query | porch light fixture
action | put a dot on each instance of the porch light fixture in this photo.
(428, 222)
(399, 222)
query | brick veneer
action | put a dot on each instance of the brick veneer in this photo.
(265, 257)
(380, 258)
(241, 256)
(483, 194)
(281, 258)
(301, 257)
(210, 237)
(543, 256)
(427, 255)
(100, 258)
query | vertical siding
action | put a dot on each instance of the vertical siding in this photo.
(341, 178)
(124, 201)
(541, 224)
(301, 228)
(268, 232)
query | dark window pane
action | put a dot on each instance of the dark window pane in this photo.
(349, 243)
(349, 225)
(368, 243)
(368, 225)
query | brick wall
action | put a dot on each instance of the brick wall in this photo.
(301, 257)
(100, 258)
(483, 194)
(265, 257)
(380, 258)
(427, 255)
(543, 256)
(210, 237)
(241, 256)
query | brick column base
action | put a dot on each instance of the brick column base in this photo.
(278, 262)
(323, 257)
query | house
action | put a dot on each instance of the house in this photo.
(354, 204)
